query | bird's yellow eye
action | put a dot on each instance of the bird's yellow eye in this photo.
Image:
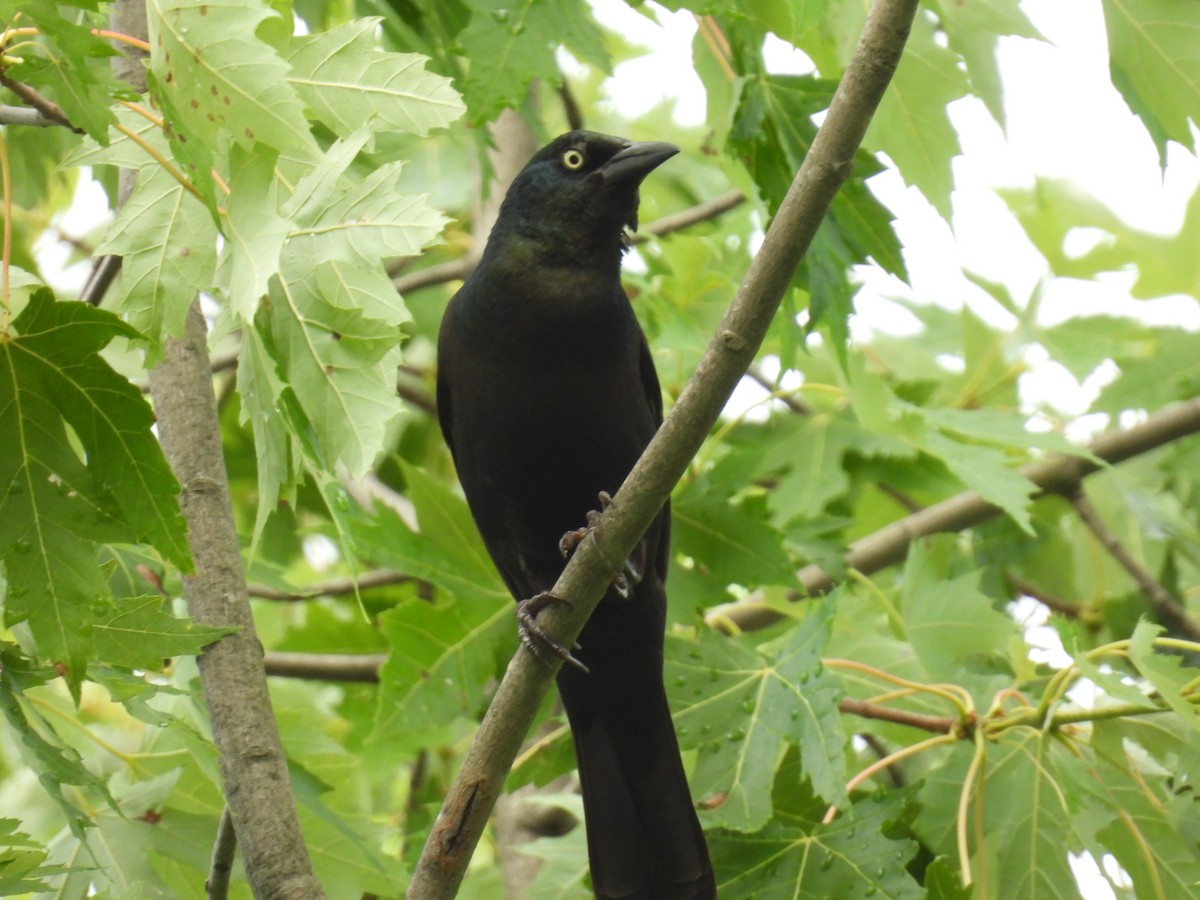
(573, 160)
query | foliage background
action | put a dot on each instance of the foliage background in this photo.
(314, 157)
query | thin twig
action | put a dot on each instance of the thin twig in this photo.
(1169, 610)
(791, 401)
(27, 115)
(701, 212)
(936, 724)
(881, 752)
(416, 786)
(221, 868)
(455, 270)
(900, 497)
(47, 108)
(416, 396)
(370, 489)
(360, 667)
(571, 110)
(100, 279)
(339, 587)
(1050, 601)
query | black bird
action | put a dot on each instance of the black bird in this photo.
(547, 395)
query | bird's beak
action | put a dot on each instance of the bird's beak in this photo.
(637, 161)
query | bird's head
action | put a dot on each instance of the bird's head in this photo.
(579, 193)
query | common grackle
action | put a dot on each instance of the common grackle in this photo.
(547, 395)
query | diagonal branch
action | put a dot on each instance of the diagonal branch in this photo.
(47, 108)
(600, 557)
(325, 666)
(1169, 610)
(1054, 475)
(337, 588)
(26, 115)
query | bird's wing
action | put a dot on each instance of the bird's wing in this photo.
(650, 379)
(445, 363)
(662, 552)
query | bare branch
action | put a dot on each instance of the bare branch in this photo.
(221, 867)
(47, 108)
(416, 396)
(601, 555)
(455, 270)
(1054, 475)
(339, 587)
(570, 105)
(363, 667)
(701, 212)
(1050, 601)
(1169, 610)
(25, 115)
(100, 279)
(371, 490)
(936, 724)
(795, 404)
(881, 751)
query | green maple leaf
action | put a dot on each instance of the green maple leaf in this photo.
(1152, 47)
(80, 466)
(218, 73)
(512, 43)
(742, 707)
(346, 81)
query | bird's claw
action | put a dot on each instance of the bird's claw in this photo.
(572, 539)
(535, 638)
(625, 582)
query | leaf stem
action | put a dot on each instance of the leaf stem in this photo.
(952, 693)
(144, 46)
(161, 160)
(889, 608)
(6, 253)
(74, 722)
(964, 801)
(142, 111)
(903, 753)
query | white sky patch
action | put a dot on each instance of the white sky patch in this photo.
(88, 209)
(665, 72)
(320, 552)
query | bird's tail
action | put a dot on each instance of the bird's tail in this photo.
(644, 839)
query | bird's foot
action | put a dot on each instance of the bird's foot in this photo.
(572, 539)
(624, 583)
(536, 639)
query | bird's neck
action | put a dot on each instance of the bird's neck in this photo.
(530, 249)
